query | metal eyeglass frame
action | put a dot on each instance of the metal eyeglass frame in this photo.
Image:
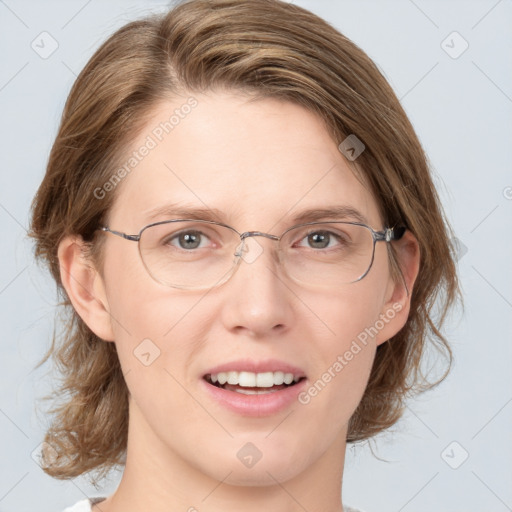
(386, 235)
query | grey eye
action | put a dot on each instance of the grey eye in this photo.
(319, 240)
(187, 240)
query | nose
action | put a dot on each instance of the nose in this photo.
(257, 300)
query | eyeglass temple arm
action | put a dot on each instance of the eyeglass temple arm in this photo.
(133, 238)
(390, 234)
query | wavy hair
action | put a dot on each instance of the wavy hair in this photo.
(270, 49)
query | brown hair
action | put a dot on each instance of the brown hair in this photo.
(270, 49)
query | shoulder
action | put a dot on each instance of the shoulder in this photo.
(83, 505)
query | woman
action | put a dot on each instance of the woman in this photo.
(239, 216)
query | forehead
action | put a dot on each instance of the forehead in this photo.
(254, 163)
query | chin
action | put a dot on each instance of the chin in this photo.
(266, 471)
(264, 476)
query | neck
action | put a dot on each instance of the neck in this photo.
(158, 479)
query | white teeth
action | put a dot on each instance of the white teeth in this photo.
(265, 380)
(278, 378)
(247, 379)
(288, 378)
(250, 379)
(255, 391)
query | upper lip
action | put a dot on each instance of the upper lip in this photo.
(250, 365)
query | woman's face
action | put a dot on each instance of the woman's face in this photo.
(258, 165)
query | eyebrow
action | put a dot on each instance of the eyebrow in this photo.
(338, 212)
(182, 212)
(342, 212)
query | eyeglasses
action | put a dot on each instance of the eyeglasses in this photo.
(199, 254)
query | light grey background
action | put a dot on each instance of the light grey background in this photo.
(462, 110)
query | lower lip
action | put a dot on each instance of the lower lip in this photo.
(255, 405)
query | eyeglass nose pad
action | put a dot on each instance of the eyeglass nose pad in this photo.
(240, 249)
(249, 250)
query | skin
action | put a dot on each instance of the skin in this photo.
(235, 155)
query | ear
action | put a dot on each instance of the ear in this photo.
(398, 293)
(85, 287)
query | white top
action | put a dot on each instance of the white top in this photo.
(85, 506)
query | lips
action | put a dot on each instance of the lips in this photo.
(254, 377)
(260, 389)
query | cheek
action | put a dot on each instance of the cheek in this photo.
(148, 317)
(346, 314)
(343, 346)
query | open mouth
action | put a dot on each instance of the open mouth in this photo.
(249, 383)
